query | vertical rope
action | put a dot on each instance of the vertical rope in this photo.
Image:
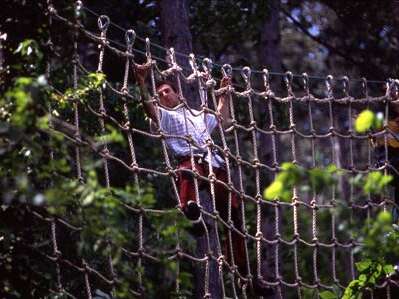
(351, 167)
(334, 160)
(175, 68)
(56, 254)
(288, 81)
(87, 282)
(203, 89)
(103, 23)
(155, 96)
(313, 202)
(277, 237)
(75, 86)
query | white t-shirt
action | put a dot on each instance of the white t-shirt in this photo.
(199, 125)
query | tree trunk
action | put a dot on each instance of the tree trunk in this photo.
(176, 34)
(270, 58)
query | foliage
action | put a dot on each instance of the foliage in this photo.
(373, 182)
(31, 180)
(379, 253)
(292, 175)
(368, 120)
(87, 85)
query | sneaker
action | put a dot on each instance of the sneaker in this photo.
(192, 212)
(261, 288)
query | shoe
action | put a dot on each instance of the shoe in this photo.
(261, 288)
(192, 211)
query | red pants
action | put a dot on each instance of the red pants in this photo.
(187, 192)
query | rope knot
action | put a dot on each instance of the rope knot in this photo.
(234, 269)
(57, 254)
(226, 151)
(259, 236)
(256, 163)
(135, 167)
(212, 178)
(178, 252)
(126, 126)
(171, 172)
(298, 280)
(51, 9)
(124, 90)
(140, 252)
(220, 260)
(210, 83)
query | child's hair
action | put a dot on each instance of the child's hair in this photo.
(167, 82)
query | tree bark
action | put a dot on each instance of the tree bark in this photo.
(176, 33)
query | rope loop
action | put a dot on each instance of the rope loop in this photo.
(246, 74)
(148, 48)
(329, 80)
(103, 23)
(130, 37)
(227, 70)
(305, 79)
(266, 78)
(78, 8)
(345, 83)
(193, 64)
(172, 56)
(394, 84)
(364, 87)
(288, 77)
(207, 65)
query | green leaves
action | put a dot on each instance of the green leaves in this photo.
(86, 86)
(376, 181)
(29, 47)
(367, 120)
(281, 187)
(292, 175)
(328, 295)
(274, 190)
(380, 251)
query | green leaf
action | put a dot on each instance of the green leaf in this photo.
(328, 295)
(363, 265)
(274, 190)
(388, 269)
(364, 121)
(384, 217)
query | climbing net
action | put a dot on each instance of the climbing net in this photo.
(266, 130)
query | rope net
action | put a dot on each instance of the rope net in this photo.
(291, 245)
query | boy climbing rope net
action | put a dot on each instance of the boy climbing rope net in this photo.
(178, 120)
